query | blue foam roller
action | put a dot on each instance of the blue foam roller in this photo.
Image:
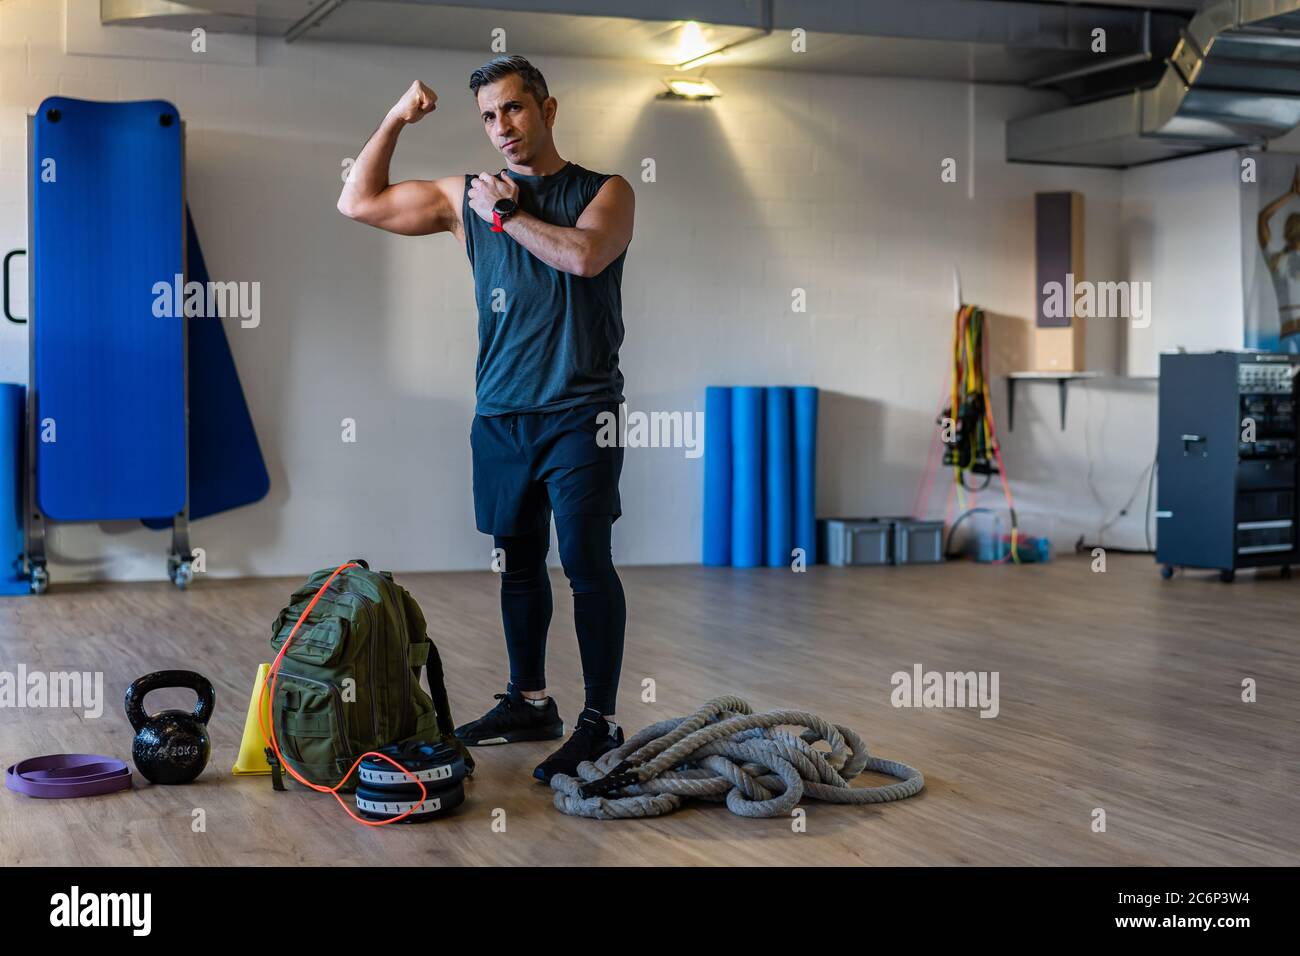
(11, 504)
(747, 477)
(778, 491)
(717, 476)
(805, 471)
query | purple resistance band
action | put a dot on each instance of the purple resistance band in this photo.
(68, 775)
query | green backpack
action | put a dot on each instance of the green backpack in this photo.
(350, 681)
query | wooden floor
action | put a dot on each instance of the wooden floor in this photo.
(1117, 691)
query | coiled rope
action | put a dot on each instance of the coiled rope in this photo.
(726, 752)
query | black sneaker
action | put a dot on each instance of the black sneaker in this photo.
(591, 738)
(512, 721)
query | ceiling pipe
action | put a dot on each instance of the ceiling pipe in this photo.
(1231, 81)
(1143, 55)
(313, 19)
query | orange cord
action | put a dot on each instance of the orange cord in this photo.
(271, 678)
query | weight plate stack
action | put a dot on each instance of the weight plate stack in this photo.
(384, 803)
(385, 792)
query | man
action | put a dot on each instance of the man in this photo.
(546, 240)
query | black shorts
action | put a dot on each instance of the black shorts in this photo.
(527, 465)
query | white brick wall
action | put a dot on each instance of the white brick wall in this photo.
(827, 183)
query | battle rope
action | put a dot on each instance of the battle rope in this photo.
(724, 751)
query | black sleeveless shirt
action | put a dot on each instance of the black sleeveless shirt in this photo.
(548, 340)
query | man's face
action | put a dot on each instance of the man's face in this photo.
(515, 122)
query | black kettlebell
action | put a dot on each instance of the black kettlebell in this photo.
(171, 746)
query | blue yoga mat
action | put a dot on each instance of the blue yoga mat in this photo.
(108, 223)
(226, 465)
(11, 496)
(746, 477)
(717, 476)
(805, 471)
(778, 492)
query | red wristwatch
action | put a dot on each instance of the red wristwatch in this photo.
(502, 210)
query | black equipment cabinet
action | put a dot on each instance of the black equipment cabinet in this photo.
(1227, 459)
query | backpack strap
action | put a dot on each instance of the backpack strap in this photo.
(422, 652)
(438, 689)
(441, 705)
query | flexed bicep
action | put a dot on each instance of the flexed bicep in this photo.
(415, 207)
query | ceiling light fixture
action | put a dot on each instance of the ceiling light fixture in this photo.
(690, 88)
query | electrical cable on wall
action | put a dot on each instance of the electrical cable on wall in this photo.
(1147, 478)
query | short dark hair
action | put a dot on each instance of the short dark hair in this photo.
(500, 67)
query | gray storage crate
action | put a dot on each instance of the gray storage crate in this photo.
(874, 541)
(917, 542)
(855, 541)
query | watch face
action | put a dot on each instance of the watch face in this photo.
(504, 206)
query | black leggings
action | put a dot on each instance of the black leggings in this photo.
(599, 608)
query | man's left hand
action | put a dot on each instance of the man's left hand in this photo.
(485, 189)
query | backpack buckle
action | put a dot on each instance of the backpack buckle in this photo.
(277, 781)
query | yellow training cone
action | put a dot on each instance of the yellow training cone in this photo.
(252, 754)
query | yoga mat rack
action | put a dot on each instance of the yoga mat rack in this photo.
(108, 378)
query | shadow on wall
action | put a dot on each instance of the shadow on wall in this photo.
(683, 274)
(1012, 350)
(1011, 338)
(855, 476)
(358, 326)
(1140, 236)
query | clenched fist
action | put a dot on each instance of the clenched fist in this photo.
(415, 104)
(485, 189)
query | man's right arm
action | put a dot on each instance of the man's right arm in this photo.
(416, 207)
